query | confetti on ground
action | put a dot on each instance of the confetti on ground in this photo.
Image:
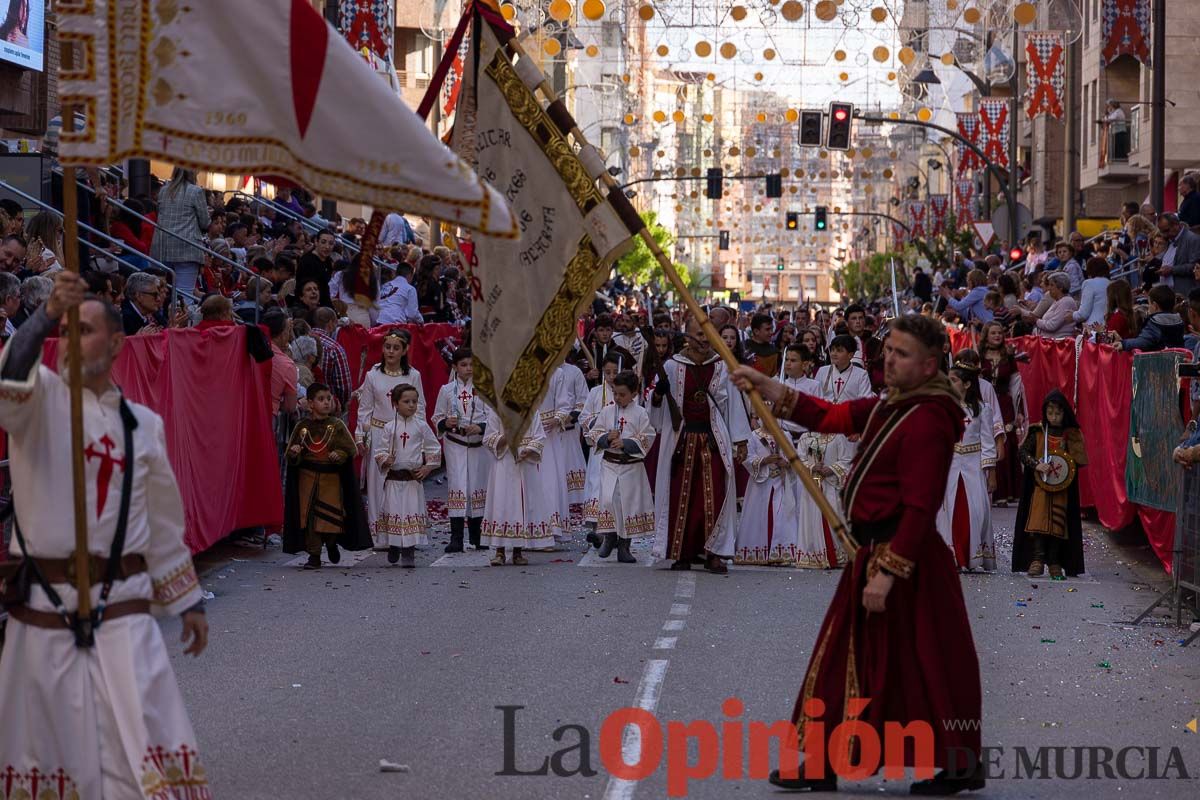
(620, 680)
(1104, 665)
(1048, 641)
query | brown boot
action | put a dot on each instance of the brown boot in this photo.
(1056, 571)
(498, 558)
(519, 560)
(716, 565)
(1036, 568)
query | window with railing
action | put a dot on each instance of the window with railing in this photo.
(1135, 129)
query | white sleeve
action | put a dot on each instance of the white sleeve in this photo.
(987, 437)
(441, 408)
(172, 574)
(366, 407)
(755, 453)
(431, 448)
(22, 399)
(414, 377)
(383, 442)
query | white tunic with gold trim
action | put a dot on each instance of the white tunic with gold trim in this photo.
(107, 722)
(817, 547)
(625, 503)
(374, 411)
(767, 527)
(519, 512)
(411, 445)
(972, 456)
(574, 463)
(468, 463)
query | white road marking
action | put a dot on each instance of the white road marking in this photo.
(686, 588)
(648, 691)
(665, 643)
(680, 610)
(674, 624)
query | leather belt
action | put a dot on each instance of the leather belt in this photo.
(620, 458)
(62, 570)
(400, 475)
(462, 443)
(54, 621)
(963, 449)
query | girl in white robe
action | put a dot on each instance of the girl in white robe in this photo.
(828, 457)
(573, 460)
(768, 528)
(375, 411)
(555, 414)
(406, 451)
(964, 520)
(621, 436)
(519, 513)
(599, 398)
(460, 418)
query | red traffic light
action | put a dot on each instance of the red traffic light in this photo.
(840, 114)
(1015, 255)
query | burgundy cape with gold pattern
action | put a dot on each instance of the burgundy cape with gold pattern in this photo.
(915, 661)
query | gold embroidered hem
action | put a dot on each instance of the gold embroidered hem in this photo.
(173, 775)
(884, 558)
(175, 584)
(36, 785)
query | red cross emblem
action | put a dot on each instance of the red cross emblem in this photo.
(464, 396)
(1055, 469)
(838, 384)
(621, 424)
(104, 475)
(404, 437)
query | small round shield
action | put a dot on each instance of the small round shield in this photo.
(1061, 473)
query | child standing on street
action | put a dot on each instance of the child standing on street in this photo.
(405, 453)
(461, 420)
(621, 436)
(323, 504)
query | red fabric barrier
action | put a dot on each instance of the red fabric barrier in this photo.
(962, 340)
(1102, 404)
(364, 349)
(215, 404)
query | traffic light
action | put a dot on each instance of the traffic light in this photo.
(810, 128)
(841, 116)
(820, 221)
(714, 189)
(775, 185)
(722, 240)
(793, 220)
(779, 266)
(1016, 255)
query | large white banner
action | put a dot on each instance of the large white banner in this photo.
(531, 289)
(261, 87)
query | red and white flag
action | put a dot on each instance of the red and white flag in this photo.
(262, 87)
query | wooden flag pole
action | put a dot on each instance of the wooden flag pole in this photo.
(83, 578)
(836, 524)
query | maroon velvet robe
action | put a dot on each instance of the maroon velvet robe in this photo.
(697, 471)
(916, 661)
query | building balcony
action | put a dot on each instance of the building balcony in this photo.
(1113, 163)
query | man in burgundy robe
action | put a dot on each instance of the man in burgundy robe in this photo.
(897, 632)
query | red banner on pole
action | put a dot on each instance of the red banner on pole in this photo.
(1045, 75)
(1125, 30)
(993, 133)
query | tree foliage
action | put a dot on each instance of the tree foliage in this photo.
(640, 265)
(871, 278)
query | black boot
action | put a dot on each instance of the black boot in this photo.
(610, 542)
(942, 784)
(314, 561)
(623, 554)
(331, 548)
(803, 784)
(475, 527)
(456, 535)
(594, 539)
(393, 555)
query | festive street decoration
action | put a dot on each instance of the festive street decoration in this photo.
(968, 128)
(1125, 30)
(1045, 75)
(939, 207)
(964, 200)
(917, 212)
(993, 130)
(368, 23)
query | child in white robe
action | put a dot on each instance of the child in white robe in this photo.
(621, 437)
(573, 460)
(555, 413)
(599, 398)
(460, 418)
(405, 453)
(798, 362)
(768, 528)
(841, 379)
(828, 458)
(964, 520)
(519, 513)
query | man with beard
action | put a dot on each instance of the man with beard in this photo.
(895, 645)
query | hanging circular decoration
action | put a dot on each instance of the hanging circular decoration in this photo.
(628, 119)
(760, 117)
(924, 114)
(663, 50)
(728, 50)
(1025, 13)
(703, 49)
(825, 10)
(738, 13)
(879, 14)
(862, 59)
(906, 55)
(800, 174)
(707, 118)
(660, 154)
(680, 172)
(695, 170)
(710, 77)
(560, 10)
(677, 116)
(839, 55)
(758, 76)
(868, 152)
(948, 59)
(626, 77)
(593, 9)
(881, 54)
(552, 47)
(660, 117)
(792, 190)
(646, 12)
(735, 151)
(635, 151)
(843, 76)
(850, 154)
(791, 115)
(592, 50)
(887, 173)
(891, 76)
(791, 10)
(769, 54)
(972, 16)
(508, 11)
(951, 5)
(708, 154)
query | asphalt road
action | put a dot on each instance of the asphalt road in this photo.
(312, 678)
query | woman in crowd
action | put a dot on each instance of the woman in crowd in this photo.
(1121, 318)
(999, 367)
(733, 340)
(46, 229)
(1158, 248)
(1058, 321)
(1093, 298)
(182, 219)
(965, 519)
(346, 277)
(136, 235)
(431, 295)
(1007, 286)
(785, 336)
(306, 299)
(814, 339)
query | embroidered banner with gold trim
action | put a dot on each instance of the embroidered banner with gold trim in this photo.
(264, 87)
(528, 292)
